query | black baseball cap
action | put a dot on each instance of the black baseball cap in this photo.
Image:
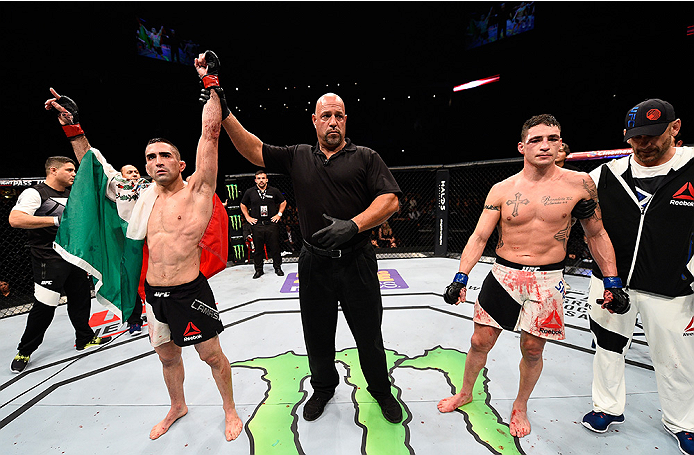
(649, 118)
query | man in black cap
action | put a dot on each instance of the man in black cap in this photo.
(262, 207)
(647, 202)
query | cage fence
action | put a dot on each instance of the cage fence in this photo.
(414, 231)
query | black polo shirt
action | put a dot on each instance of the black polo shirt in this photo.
(262, 206)
(341, 187)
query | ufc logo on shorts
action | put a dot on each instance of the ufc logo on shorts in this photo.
(530, 269)
(162, 294)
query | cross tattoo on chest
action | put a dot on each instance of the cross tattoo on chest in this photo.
(518, 201)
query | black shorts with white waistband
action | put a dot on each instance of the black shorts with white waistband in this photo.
(188, 309)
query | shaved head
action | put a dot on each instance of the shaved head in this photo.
(328, 99)
(330, 122)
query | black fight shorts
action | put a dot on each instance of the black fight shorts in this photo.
(186, 314)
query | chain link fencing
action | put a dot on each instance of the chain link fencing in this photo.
(411, 232)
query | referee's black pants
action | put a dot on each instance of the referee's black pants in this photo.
(353, 281)
(266, 235)
(57, 275)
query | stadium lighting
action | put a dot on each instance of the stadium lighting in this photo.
(477, 83)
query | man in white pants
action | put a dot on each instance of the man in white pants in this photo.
(647, 202)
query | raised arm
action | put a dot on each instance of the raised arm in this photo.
(206, 164)
(206, 161)
(248, 145)
(69, 119)
(245, 142)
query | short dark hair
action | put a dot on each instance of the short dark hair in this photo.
(260, 171)
(154, 140)
(58, 162)
(542, 119)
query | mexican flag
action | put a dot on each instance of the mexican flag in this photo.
(103, 230)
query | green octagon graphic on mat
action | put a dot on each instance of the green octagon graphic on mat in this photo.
(272, 427)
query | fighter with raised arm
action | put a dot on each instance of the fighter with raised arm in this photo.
(532, 212)
(178, 294)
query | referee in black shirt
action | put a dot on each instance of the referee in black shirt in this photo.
(342, 191)
(263, 206)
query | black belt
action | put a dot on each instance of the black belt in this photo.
(530, 268)
(264, 222)
(335, 254)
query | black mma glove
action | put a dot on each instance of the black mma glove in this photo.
(614, 298)
(210, 81)
(73, 128)
(335, 234)
(205, 97)
(452, 294)
(584, 209)
(71, 107)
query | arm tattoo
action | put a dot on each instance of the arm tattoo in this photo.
(492, 207)
(597, 214)
(592, 191)
(590, 188)
(563, 235)
(500, 243)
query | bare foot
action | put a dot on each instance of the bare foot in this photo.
(452, 403)
(520, 425)
(163, 426)
(234, 425)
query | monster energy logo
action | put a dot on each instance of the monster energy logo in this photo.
(233, 190)
(272, 426)
(235, 222)
(238, 252)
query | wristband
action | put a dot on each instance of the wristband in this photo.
(72, 130)
(460, 277)
(612, 282)
(279, 213)
(210, 80)
(56, 221)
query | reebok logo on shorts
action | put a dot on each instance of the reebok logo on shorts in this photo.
(205, 309)
(191, 333)
(689, 330)
(552, 324)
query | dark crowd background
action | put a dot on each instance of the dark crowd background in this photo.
(394, 63)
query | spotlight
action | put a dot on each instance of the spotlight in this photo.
(477, 83)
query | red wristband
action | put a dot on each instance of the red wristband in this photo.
(210, 80)
(72, 130)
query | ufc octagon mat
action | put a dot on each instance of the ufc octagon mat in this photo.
(106, 400)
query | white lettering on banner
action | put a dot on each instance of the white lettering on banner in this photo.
(442, 195)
